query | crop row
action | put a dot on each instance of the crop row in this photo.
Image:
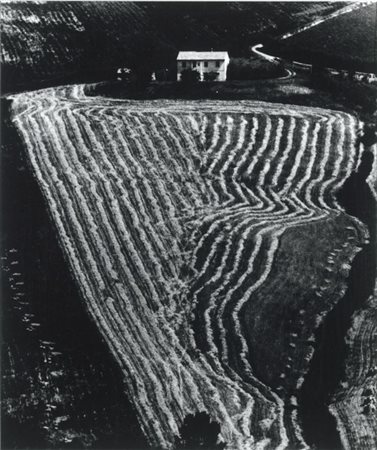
(143, 193)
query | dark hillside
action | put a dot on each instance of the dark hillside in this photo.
(60, 39)
(347, 41)
(57, 42)
(231, 25)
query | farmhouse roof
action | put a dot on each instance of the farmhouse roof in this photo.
(192, 56)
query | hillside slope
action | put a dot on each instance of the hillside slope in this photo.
(354, 404)
(206, 271)
(347, 41)
(53, 42)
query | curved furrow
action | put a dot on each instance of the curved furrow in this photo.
(154, 193)
(172, 215)
(72, 218)
(156, 164)
(304, 139)
(224, 218)
(139, 237)
(147, 346)
(129, 194)
(258, 237)
(230, 258)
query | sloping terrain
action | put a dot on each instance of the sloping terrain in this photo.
(60, 386)
(355, 402)
(347, 41)
(208, 244)
(53, 42)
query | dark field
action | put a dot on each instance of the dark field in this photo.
(60, 387)
(55, 43)
(347, 41)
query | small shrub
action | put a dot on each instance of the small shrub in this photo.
(355, 95)
(254, 69)
(211, 76)
(162, 74)
(141, 75)
(189, 76)
(369, 135)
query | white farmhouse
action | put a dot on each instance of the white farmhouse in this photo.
(203, 62)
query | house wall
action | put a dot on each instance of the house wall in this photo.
(203, 67)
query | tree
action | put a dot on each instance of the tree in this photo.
(189, 76)
(254, 69)
(211, 76)
(198, 432)
(369, 136)
(146, 59)
(142, 75)
(162, 74)
(352, 75)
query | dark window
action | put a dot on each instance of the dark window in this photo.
(183, 64)
(217, 63)
(206, 64)
(194, 64)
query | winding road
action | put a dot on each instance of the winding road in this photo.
(353, 6)
(256, 49)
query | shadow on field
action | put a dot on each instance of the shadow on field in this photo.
(327, 366)
(61, 388)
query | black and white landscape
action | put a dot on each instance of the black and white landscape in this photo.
(189, 264)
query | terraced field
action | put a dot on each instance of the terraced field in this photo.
(208, 244)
